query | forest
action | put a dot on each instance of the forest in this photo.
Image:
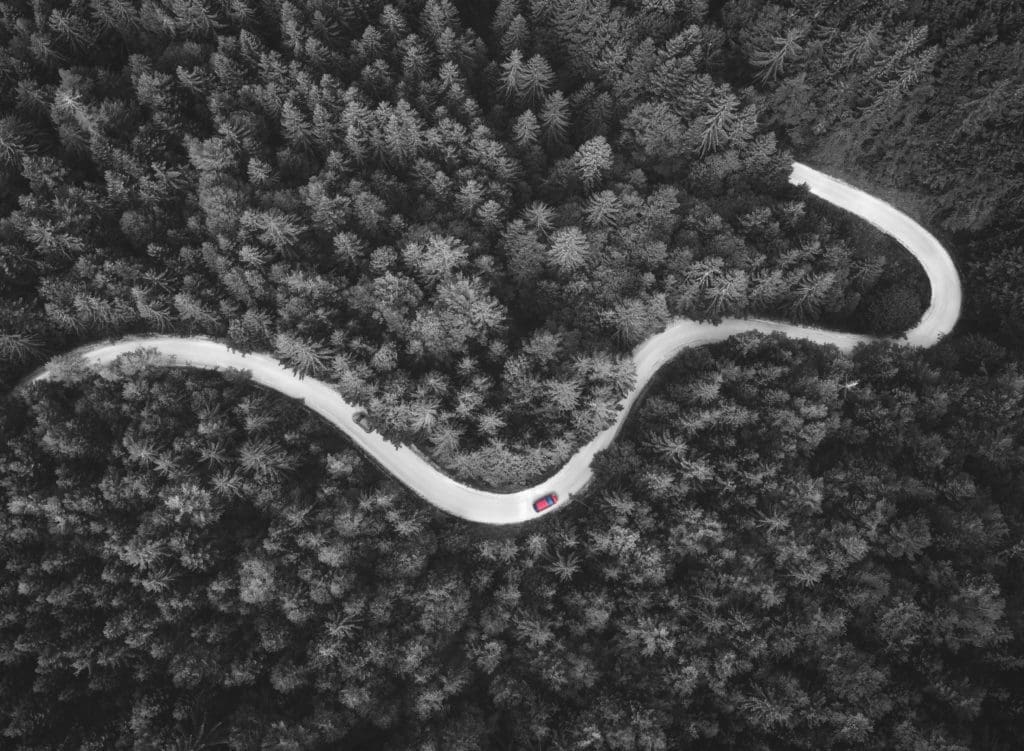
(465, 215)
(421, 214)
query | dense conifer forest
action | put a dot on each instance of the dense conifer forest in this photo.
(465, 215)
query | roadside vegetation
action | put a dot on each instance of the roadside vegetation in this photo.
(466, 215)
(924, 99)
(466, 228)
(785, 543)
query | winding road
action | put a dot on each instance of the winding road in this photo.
(510, 508)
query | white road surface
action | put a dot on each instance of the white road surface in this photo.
(510, 508)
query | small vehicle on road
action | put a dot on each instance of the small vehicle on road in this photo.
(362, 420)
(546, 502)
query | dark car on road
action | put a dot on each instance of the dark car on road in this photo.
(545, 503)
(362, 420)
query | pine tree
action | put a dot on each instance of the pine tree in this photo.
(516, 35)
(275, 227)
(769, 288)
(631, 320)
(655, 132)
(569, 249)
(593, 160)
(728, 294)
(402, 132)
(19, 347)
(13, 141)
(511, 74)
(436, 259)
(554, 117)
(525, 130)
(540, 215)
(772, 62)
(157, 315)
(860, 45)
(297, 129)
(423, 414)
(603, 209)
(437, 16)
(303, 356)
(534, 79)
(811, 293)
(718, 124)
(256, 581)
(72, 27)
(117, 15)
(193, 18)
(191, 308)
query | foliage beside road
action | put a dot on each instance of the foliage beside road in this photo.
(785, 543)
(464, 227)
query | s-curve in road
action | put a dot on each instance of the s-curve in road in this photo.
(509, 508)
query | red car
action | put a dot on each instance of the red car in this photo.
(545, 503)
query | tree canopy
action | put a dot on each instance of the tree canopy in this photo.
(376, 192)
(464, 214)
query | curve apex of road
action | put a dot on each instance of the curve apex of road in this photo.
(488, 507)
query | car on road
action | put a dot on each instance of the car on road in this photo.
(362, 420)
(545, 503)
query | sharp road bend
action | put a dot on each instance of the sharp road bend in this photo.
(510, 508)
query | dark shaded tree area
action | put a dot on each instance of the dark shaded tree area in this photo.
(465, 214)
(191, 562)
(419, 207)
(788, 548)
(925, 96)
